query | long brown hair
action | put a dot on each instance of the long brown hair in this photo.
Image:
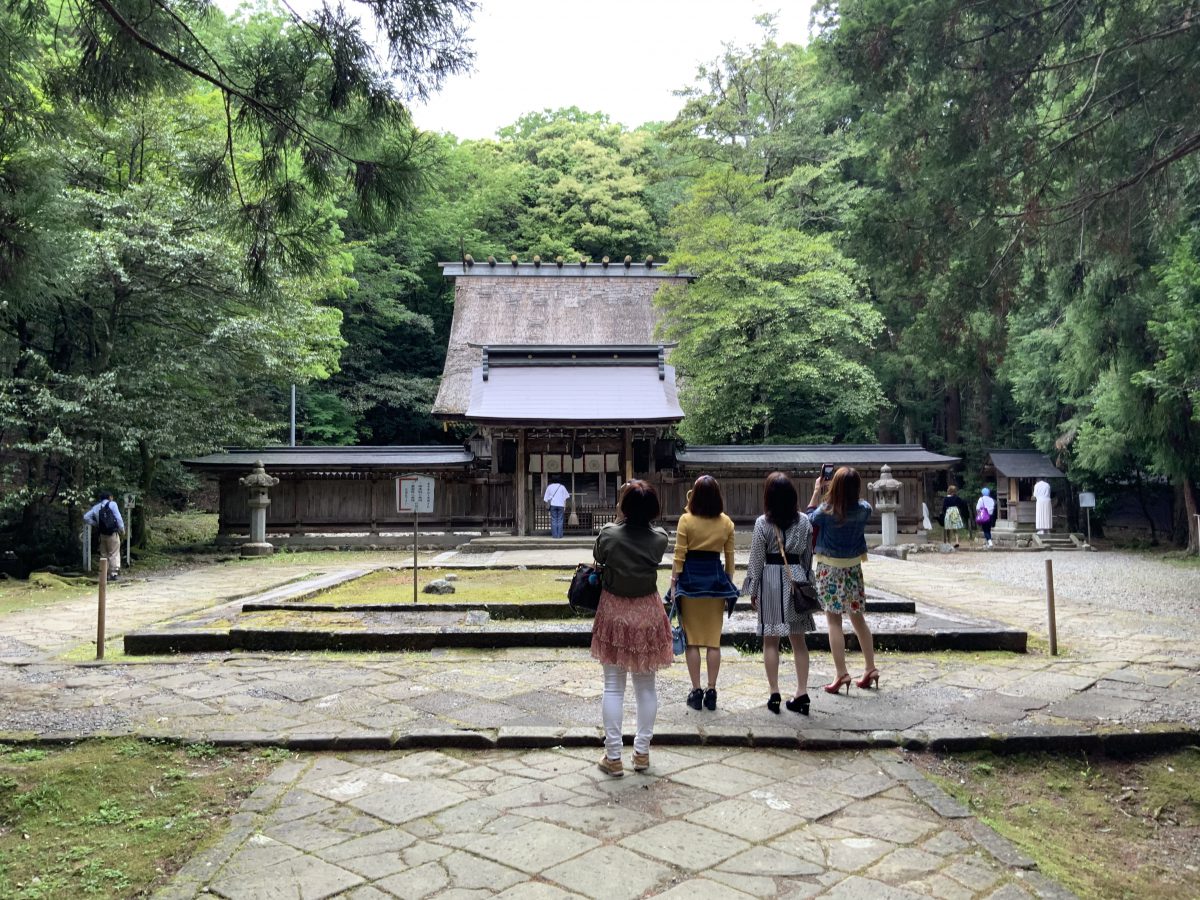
(705, 499)
(843, 492)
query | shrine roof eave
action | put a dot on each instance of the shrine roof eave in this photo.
(335, 459)
(615, 425)
(812, 456)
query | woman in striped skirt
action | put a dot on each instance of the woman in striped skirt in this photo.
(770, 589)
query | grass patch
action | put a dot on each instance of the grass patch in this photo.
(178, 531)
(471, 586)
(41, 590)
(113, 818)
(1103, 828)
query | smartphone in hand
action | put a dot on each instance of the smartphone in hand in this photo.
(827, 471)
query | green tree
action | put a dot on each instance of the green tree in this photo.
(1030, 159)
(306, 105)
(585, 187)
(774, 334)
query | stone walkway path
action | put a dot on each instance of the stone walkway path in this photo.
(133, 602)
(461, 805)
(1105, 680)
(702, 823)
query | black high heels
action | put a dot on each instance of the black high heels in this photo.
(773, 703)
(799, 704)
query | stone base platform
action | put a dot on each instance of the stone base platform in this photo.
(312, 627)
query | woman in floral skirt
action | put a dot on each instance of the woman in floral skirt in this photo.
(840, 517)
(631, 635)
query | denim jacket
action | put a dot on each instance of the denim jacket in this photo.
(841, 540)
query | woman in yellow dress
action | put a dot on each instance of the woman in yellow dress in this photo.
(703, 582)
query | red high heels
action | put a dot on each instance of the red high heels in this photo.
(836, 686)
(869, 679)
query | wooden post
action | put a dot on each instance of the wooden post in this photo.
(629, 454)
(520, 478)
(1050, 607)
(102, 598)
(416, 517)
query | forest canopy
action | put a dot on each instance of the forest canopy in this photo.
(959, 224)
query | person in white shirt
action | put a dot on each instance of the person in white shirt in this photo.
(1044, 511)
(556, 498)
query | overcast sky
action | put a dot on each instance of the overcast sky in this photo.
(621, 57)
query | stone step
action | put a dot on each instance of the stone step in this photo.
(373, 630)
(526, 611)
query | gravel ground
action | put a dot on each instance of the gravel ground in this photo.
(1132, 582)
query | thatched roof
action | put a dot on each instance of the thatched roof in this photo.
(543, 305)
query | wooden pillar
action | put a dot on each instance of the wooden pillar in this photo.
(300, 502)
(629, 454)
(520, 477)
(653, 444)
(374, 485)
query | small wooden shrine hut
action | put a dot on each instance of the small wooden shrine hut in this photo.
(1016, 472)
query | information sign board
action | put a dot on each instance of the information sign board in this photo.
(414, 493)
(1087, 501)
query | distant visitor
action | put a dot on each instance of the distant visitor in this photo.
(1045, 515)
(105, 517)
(555, 498)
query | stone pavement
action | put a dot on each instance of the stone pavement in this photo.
(529, 815)
(134, 601)
(1104, 683)
(702, 823)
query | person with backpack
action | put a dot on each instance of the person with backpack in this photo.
(105, 517)
(985, 514)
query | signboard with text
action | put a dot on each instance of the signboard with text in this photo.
(414, 493)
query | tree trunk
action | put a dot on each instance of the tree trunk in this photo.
(1141, 495)
(984, 409)
(953, 414)
(149, 464)
(1189, 507)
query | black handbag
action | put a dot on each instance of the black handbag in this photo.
(584, 591)
(804, 594)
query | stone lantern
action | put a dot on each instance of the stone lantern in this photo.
(258, 482)
(887, 501)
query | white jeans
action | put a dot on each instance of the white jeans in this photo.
(613, 707)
